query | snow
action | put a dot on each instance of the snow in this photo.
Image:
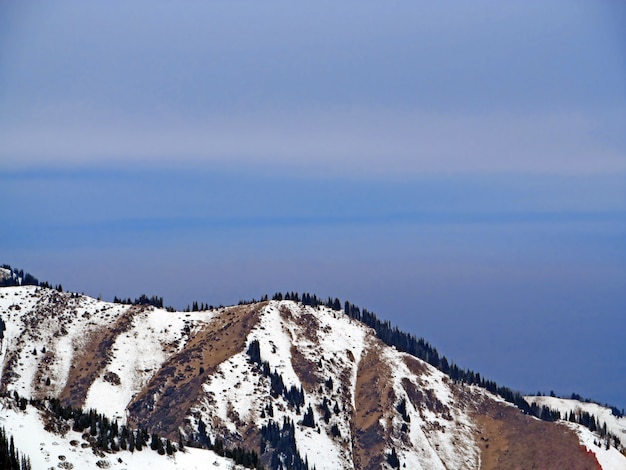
(234, 396)
(137, 354)
(602, 414)
(429, 432)
(237, 394)
(26, 299)
(608, 459)
(341, 338)
(340, 335)
(46, 449)
(231, 391)
(63, 333)
(4, 274)
(275, 341)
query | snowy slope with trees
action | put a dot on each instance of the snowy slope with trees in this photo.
(278, 383)
(601, 429)
(47, 449)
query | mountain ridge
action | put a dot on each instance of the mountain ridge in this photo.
(347, 399)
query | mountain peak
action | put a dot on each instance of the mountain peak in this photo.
(300, 386)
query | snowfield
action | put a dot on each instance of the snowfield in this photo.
(609, 459)
(339, 350)
(48, 450)
(137, 354)
(106, 356)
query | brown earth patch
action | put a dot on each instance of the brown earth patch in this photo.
(8, 372)
(94, 357)
(308, 322)
(416, 397)
(416, 366)
(166, 400)
(509, 439)
(373, 395)
(306, 369)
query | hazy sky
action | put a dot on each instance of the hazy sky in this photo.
(458, 169)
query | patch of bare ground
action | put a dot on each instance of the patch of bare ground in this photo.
(250, 437)
(509, 439)
(308, 322)
(8, 372)
(416, 366)
(373, 395)
(94, 357)
(44, 371)
(166, 400)
(306, 369)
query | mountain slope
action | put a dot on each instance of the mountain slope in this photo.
(610, 428)
(68, 450)
(299, 385)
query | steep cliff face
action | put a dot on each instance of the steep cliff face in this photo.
(296, 384)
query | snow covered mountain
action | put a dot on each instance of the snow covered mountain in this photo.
(276, 383)
(604, 430)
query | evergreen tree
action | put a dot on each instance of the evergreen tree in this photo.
(154, 442)
(392, 458)
(10, 457)
(308, 419)
(401, 408)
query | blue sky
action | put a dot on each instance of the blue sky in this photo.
(460, 171)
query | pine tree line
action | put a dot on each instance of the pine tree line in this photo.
(409, 343)
(390, 335)
(102, 433)
(615, 411)
(581, 417)
(10, 457)
(143, 299)
(105, 435)
(18, 277)
(420, 348)
(544, 412)
(589, 421)
(310, 300)
(281, 442)
(241, 456)
(293, 395)
(199, 307)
